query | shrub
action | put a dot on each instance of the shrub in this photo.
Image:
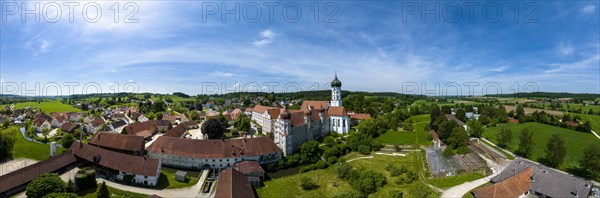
(321, 164)
(307, 183)
(365, 150)
(368, 181)
(61, 195)
(332, 160)
(396, 194)
(308, 168)
(45, 184)
(342, 170)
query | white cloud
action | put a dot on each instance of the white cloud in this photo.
(565, 49)
(267, 37)
(113, 71)
(588, 9)
(130, 81)
(223, 74)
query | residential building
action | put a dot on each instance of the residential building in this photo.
(233, 184)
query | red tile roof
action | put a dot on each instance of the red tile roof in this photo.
(38, 122)
(360, 116)
(509, 188)
(213, 148)
(139, 127)
(233, 184)
(117, 161)
(69, 127)
(313, 104)
(177, 131)
(571, 123)
(118, 141)
(97, 122)
(249, 167)
(25, 175)
(337, 111)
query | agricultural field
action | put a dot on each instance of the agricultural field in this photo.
(531, 110)
(575, 141)
(47, 107)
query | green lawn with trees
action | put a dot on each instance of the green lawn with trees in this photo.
(574, 141)
(27, 149)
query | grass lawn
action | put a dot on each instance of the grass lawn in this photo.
(594, 119)
(575, 141)
(167, 180)
(30, 150)
(330, 185)
(47, 107)
(447, 182)
(408, 138)
(91, 193)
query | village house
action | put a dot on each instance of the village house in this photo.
(95, 125)
(40, 124)
(69, 127)
(58, 121)
(144, 129)
(215, 154)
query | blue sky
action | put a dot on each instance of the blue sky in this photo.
(374, 46)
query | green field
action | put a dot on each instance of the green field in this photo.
(594, 119)
(31, 150)
(575, 141)
(408, 138)
(330, 185)
(47, 107)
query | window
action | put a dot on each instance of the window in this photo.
(344, 123)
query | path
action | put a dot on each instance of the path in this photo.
(595, 134)
(391, 154)
(460, 190)
(366, 157)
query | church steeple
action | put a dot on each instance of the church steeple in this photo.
(336, 92)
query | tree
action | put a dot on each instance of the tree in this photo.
(419, 191)
(213, 129)
(67, 140)
(590, 161)
(520, 112)
(194, 115)
(45, 184)
(504, 137)
(242, 123)
(310, 152)
(307, 183)
(555, 150)
(7, 142)
(342, 170)
(461, 115)
(526, 143)
(458, 138)
(368, 181)
(475, 128)
(103, 191)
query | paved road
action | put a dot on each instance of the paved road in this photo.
(593, 132)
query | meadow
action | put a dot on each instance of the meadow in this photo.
(575, 141)
(47, 107)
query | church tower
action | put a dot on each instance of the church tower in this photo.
(336, 92)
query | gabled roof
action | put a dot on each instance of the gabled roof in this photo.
(25, 175)
(38, 122)
(177, 131)
(118, 141)
(337, 111)
(512, 187)
(118, 123)
(453, 118)
(97, 122)
(114, 160)
(314, 104)
(360, 116)
(135, 128)
(274, 112)
(547, 181)
(233, 184)
(69, 126)
(249, 167)
(227, 148)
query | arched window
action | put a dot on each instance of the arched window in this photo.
(344, 123)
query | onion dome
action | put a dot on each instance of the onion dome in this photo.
(336, 82)
(286, 115)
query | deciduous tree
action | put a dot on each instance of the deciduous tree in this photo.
(555, 150)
